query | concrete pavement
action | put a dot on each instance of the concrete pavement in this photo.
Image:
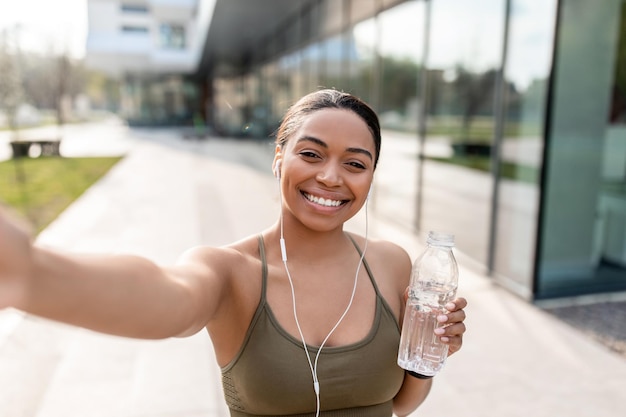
(169, 194)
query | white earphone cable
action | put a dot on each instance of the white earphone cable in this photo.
(313, 366)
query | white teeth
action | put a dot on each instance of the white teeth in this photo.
(322, 201)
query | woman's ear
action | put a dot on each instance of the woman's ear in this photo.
(276, 165)
(278, 156)
(277, 169)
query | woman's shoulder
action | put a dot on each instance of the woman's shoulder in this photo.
(223, 258)
(382, 248)
(387, 259)
(390, 265)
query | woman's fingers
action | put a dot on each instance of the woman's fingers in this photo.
(457, 304)
(453, 326)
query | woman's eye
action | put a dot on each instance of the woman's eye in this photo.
(308, 154)
(356, 165)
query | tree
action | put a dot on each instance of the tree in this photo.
(400, 78)
(61, 78)
(11, 92)
(475, 91)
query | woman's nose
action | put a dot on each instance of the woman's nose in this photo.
(329, 175)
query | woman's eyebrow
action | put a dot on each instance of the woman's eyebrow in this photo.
(361, 151)
(325, 145)
(314, 140)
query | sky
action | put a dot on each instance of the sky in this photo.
(45, 24)
(62, 25)
(476, 41)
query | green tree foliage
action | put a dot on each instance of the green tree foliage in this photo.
(399, 83)
(475, 93)
(11, 92)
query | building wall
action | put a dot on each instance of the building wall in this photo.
(573, 239)
(473, 100)
(144, 35)
(151, 46)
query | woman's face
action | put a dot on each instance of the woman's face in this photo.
(327, 168)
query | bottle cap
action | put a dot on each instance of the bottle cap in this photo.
(440, 239)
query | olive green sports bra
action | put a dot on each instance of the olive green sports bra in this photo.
(270, 374)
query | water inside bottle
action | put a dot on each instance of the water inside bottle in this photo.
(420, 348)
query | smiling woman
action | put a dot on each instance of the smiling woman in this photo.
(330, 161)
(259, 298)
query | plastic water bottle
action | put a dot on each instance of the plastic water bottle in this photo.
(434, 281)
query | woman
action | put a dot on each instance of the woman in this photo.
(302, 282)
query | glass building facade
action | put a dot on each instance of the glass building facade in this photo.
(504, 122)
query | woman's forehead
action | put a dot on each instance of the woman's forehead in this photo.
(332, 125)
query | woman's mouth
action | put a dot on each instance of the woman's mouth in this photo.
(326, 202)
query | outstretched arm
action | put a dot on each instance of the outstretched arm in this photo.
(116, 294)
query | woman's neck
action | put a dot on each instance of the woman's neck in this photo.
(304, 243)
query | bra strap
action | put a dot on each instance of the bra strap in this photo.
(371, 275)
(264, 267)
(367, 267)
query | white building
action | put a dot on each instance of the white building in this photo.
(150, 46)
(146, 36)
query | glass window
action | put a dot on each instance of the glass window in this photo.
(134, 8)
(362, 56)
(401, 50)
(160, 100)
(172, 36)
(331, 17)
(464, 59)
(618, 93)
(400, 44)
(134, 29)
(229, 103)
(583, 240)
(529, 59)
(311, 57)
(288, 77)
(332, 63)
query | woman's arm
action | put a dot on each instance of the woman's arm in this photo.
(116, 294)
(413, 393)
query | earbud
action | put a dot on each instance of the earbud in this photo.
(369, 193)
(277, 169)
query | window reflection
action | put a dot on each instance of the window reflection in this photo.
(611, 230)
(617, 114)
(363, 71)
(447, 181)
(400, 45)
(583, 245)
(531, 34)
(332, 64)
(465, 55)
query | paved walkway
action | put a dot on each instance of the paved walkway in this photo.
(169, 194)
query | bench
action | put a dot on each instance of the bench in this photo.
(49, 147)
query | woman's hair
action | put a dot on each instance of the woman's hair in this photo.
(328, 99)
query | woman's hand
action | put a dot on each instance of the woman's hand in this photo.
(414, 391)
(15, 255)
(453, 326)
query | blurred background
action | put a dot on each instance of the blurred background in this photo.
(504, 122)
(507, 117)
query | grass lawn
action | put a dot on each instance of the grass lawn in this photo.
(40, 189)
(508, 170)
